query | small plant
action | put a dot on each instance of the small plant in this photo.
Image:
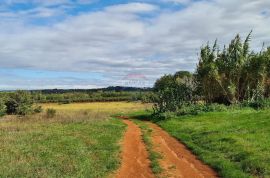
(50, 113)
(38, 109)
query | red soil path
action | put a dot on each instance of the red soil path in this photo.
(135, 163)
(177, 160)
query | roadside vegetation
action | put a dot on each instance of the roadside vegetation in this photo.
(221, 112)
(234, 75)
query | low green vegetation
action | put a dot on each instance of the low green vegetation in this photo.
(153, 155)
(80, 140)
(234, 143)
(77, 149)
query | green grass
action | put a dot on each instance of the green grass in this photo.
(81, 140)
(80, 149)
(235, 143)
(153, 155)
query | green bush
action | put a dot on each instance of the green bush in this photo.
(195, 109)
(38, 109)
(20, 103)
(50, 113)
(3, 108)
(259, 104)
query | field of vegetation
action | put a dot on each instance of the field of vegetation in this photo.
(235, 143)
(78, 140)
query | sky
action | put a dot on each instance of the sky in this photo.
(100, 43)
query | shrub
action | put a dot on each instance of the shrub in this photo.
(3, 108)
(215, 107)
(20, 103)
(195, 109)
(50, 113)
(259, 104)
(38, 109)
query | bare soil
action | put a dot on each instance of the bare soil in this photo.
(135, 162)
(177, 161)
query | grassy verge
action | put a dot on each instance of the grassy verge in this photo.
(235, 143)
(79, 141)
(153, 155)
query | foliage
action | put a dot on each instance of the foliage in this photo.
(234, 74)
(195, 109)
(173, 91)
(38, 109)
(50, 113)
(19, 102)
(258, 104)
(3, 107)
(91, 96)
(230, 76)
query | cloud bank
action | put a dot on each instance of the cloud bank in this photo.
(131, 38)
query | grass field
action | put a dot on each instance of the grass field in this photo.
(80, 141)
(235, 143)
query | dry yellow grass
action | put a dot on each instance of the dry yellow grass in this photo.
(108, 107)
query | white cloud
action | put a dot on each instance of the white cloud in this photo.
(117, 41)
(132, 8)
(177, 1)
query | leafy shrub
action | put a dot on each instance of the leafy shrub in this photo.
(20, 103)
(195, 109)
(259, 104)
(164, 115)
(3, 108)
(215, 107)
(38, 109)
(50, 113)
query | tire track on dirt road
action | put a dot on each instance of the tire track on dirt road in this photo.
(135, 162)
(177, 160)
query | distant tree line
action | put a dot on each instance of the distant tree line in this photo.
(231, 75)
(22, 102)
(98, 96)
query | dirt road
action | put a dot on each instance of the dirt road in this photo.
(177, 161)
(135, 162)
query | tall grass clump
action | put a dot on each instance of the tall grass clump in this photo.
(50, 113)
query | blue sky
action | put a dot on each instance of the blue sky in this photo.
(98, 43)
